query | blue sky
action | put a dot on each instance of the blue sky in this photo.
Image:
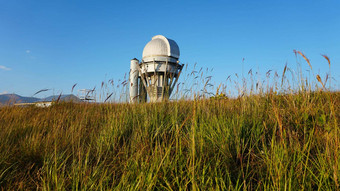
(55, 44)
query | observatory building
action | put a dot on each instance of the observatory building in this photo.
(156, 75)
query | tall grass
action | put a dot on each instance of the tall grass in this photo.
(270, 137)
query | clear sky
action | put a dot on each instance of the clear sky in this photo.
(55, 44)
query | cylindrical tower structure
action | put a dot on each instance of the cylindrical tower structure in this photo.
(159, 69)
(133, 79)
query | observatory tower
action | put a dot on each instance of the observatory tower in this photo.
(156, 75)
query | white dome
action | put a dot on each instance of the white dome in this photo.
(161, 48)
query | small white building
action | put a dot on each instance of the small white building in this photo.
(43, 104)
(38, 104)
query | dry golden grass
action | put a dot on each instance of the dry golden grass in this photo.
(265, 139)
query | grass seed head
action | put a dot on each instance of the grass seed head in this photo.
(319, 80)
(327, 58)
(304, 57)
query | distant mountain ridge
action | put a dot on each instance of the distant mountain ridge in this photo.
(67, 97)
(14, 98)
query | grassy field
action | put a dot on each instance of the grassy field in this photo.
(259, 142)
(266, 141)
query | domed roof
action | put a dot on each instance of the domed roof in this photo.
(160, 47)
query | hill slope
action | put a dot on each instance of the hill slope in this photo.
(67, 98)
(14, 98)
